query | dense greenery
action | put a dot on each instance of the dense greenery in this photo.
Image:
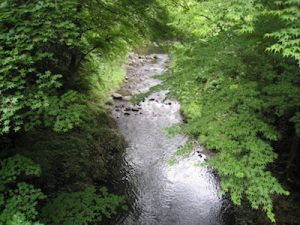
(235, 69)
(236, 72)
(58, 61)
(79, 208)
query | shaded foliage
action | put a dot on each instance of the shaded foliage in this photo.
(58, 60)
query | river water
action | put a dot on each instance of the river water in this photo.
(160, 193)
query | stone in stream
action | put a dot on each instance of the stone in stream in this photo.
(202, 156)
(116, 95)
(135, 109)
(127, 98)
(127, 114)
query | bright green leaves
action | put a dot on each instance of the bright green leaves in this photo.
(288, 38)
(212, 17)
(43, 45)
(47, 80)
(233, 92)
(31, 35)
(18, 204)
(81, 208)
(65, 112)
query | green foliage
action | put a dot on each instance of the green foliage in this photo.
(81, 208)
(58, 61)
(182, 151)
(105, 75)
(234, 92)
(18, 199)
(32, 36)
(45, 43)
(288, 37)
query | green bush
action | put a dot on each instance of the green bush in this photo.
(81, 208)
(18, 198)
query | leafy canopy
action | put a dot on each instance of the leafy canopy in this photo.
(235, 71)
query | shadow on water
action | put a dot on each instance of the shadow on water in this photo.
(158, 193)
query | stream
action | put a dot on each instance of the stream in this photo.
(159, 193)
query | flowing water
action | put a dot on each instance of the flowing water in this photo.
(160, 193)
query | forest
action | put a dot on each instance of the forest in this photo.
(234, 68)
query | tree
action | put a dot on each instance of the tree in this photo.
(235, 92)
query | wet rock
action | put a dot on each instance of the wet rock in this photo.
(202, 156)
(128, 109)
(117, 110)
(155, 57)
(152, 99)
(127, 114)
(116, 96)
(135, 109)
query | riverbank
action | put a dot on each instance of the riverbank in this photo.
(74, 164)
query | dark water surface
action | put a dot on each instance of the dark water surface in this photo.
(160, 194)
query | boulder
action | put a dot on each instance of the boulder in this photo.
(116, 96)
